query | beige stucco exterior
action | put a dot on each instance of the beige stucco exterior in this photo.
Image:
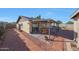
(76, 29)
(75, 17)
(25, 25)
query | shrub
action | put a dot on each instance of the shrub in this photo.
(1, 31)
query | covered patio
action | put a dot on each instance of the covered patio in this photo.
(41, 26)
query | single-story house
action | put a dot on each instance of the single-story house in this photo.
(75, 17)
(34, 25)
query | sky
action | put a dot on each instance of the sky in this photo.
(12, 14)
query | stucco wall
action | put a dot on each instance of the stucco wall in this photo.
(25, 27)
(76, 26)
(67, 26)
(76, 29)
(17, 26)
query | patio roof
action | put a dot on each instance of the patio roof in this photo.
(40, 21)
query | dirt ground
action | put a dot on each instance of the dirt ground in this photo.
(21, 41)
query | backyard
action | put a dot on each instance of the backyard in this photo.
(12, 39)
(16, 41)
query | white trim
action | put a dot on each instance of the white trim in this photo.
(75, 13)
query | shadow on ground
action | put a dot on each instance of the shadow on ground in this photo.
(68, 34)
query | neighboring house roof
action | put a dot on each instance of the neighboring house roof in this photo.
(75, 13)
(34, 19)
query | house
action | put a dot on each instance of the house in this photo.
(33, 25)
(75, 17)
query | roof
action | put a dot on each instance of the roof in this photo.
(75, 13)
(24, 17)
(34, 19)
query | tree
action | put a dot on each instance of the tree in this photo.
(11, 25)
(38, 17)
(59, 22)
(69, 22)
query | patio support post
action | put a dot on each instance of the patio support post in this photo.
(49, 28)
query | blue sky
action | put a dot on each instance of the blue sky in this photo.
(11, 14)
